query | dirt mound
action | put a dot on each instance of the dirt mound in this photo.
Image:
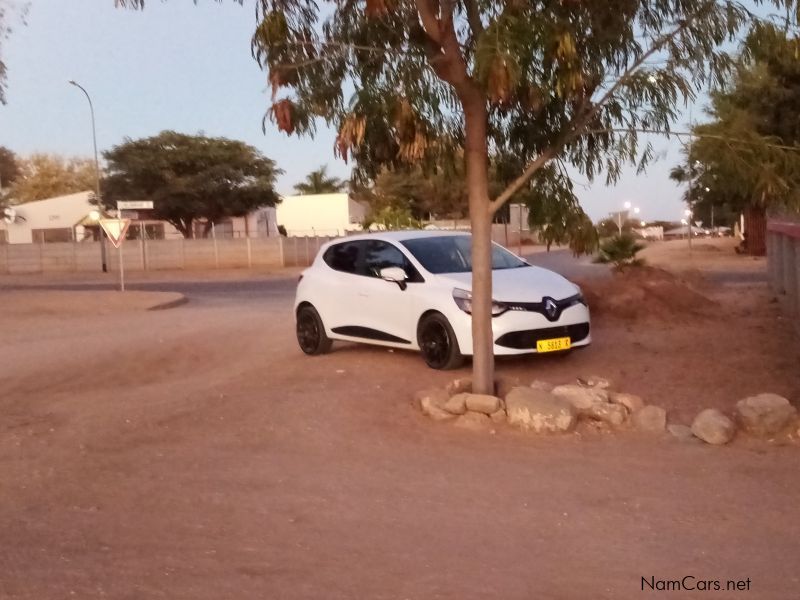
(649, 293)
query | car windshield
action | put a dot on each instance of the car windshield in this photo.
(451, 254)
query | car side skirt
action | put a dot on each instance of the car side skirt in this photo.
(367, 333)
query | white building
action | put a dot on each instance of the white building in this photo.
(67, 218)
(320, 214)
(58, 219)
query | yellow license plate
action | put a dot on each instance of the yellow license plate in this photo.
(553, 345)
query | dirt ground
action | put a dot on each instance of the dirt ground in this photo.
(196, 453)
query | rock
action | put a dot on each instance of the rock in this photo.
(580, 397)
(765, 414)
(538, 384)
(595, 381)
(473, 421)
(482, 403)
(457, 404)
(504, 384)
(613, 414)
(431, 403)
(682, 433)
(629, 401)
(539, 411)
(713, 427)
(652, 419)
(459, 386)
(498, 417)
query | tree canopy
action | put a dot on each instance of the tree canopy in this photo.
(190, 177)
(9, 168)
(41, 176)
(748, 153)
(319, 182)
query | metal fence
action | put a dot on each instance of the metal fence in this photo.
(161, 254)
(783, 262)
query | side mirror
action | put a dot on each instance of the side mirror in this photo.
(395, 275)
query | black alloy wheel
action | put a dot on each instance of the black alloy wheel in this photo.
(311, 332)
(438, 343)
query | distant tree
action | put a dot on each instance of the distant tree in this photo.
(610, 227)
(747, 156)
(392, 218)
(318, 182)
(554, 212)
(438, 194)
(43, 176)
(9, 168)
(8, 9)
(190, 177)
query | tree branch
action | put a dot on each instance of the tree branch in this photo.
(474, 18)
(580, 121)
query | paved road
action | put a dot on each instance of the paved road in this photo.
(249, 289)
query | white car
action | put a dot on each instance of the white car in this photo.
(411, 289)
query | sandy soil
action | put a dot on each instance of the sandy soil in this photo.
(197, 454)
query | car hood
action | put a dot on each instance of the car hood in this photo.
(523, 284)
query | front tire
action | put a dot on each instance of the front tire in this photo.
(438, 343)
(311, 335)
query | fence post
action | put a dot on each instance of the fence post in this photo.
(789, 272)
(41, 255)
(74, 253)
(280, 250)
(216, 250)
(307, 254)
(249, 254)
(296, 256)
(183, 253)
(797, 278)
(777, 246)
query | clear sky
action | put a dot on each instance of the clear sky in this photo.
(188, 67)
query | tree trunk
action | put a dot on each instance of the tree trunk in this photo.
(477, 166)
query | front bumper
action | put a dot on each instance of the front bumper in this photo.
(516, 332)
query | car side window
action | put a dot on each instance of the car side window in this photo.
(381, 255)
(343, 257)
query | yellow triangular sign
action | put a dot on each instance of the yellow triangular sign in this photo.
(115, 229)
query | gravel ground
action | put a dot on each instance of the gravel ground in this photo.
(196, 453)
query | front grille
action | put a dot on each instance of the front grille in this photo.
(523, 340)
(540, 307)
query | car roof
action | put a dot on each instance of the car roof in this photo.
(399, 236)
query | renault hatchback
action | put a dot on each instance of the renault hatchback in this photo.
(412, 289)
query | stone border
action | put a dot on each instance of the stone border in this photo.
(541, 407)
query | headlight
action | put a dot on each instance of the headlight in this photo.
(463, 300)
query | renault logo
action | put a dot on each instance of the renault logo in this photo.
(550, 308)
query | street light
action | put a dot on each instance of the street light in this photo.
(627, 206)
(96, 173)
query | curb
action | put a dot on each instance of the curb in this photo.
(170, 304)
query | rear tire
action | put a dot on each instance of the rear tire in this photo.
(438, 343)
(311, 336)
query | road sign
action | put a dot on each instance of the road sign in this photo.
(115, 229)
(135, 205)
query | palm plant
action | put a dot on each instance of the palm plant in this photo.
(621, 251)
(318, 182)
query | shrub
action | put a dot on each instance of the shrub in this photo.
(620, 251)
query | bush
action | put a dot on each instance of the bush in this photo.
(620, 251)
